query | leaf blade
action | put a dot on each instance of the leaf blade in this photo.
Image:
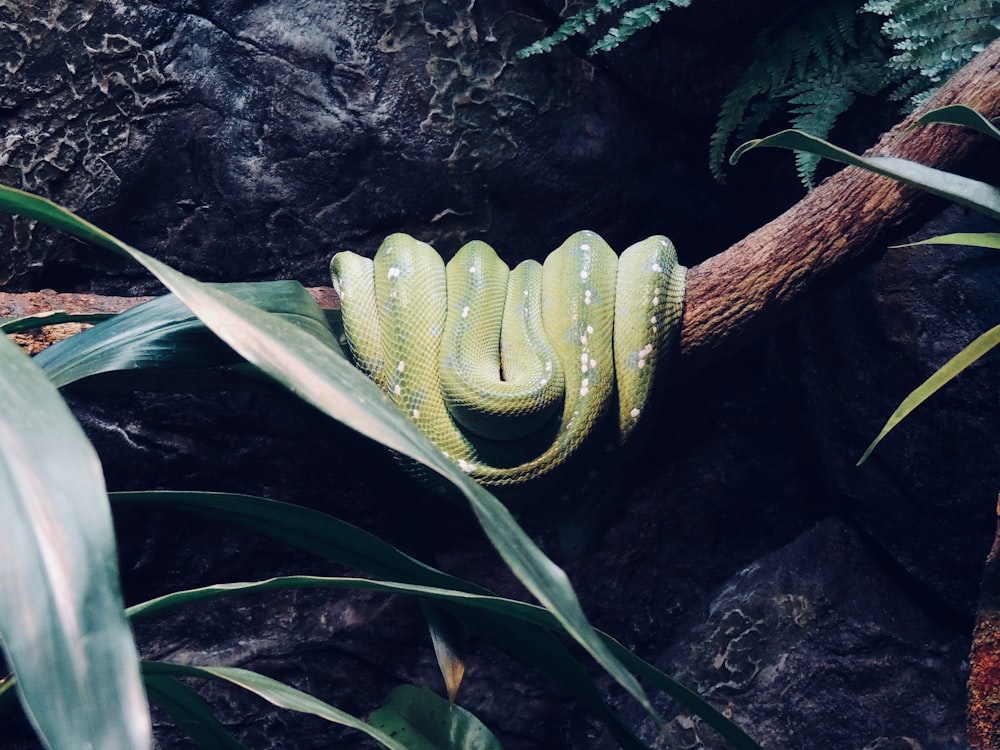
(428, 721)
(507, 608)
(321, 534)
(977, 195)
(990, 240)
(275, 693)
(190, 713)
(942, 376)
(165, 333)
(61, 614)
(960, 114)
(322, 377)
(448, 641)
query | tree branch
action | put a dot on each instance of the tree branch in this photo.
(735, 296)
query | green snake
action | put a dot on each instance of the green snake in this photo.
(510, 372)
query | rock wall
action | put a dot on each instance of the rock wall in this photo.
(251, 140)
(821, 604)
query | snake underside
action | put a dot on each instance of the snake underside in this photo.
(511, 372)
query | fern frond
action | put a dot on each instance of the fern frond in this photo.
(731, 114)
(635, 20)
(814, 66)
(818, 58)
(574, 25)
(815, 106)
(932, 39)
(569, 28)
(623, 25)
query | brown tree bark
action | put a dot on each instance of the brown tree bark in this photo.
(735, 296)
(984, 661)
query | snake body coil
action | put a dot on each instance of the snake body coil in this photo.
(510, 372)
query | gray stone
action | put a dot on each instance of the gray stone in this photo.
(927, 493)
(251, 140)
(816, 644)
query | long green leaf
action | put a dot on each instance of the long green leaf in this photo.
(275, 693)
(425, 721)
(508, 607)
(8, 693)
(190, 713)
(989, 240)
(61, 618)
(321, 376)
(494, 605)
(303, 528)
(959, 114)
(321, 534)
(935, 382)
(979, 196)
(164, 333)
(50, 318)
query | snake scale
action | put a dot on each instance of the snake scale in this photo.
(510, 372)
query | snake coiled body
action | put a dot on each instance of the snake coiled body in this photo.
(510, 372)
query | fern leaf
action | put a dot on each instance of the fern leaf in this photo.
(932, 39)
(624, 24)
(815, 109)
(635, 20)
(814, 66)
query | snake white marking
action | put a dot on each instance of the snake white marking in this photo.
(509, 372)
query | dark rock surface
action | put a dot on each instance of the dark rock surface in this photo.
(926, 493)
(819, 644)
(822, 604)
(248, 140)
(734, 559)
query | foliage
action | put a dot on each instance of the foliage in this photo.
(60, 606)
(627, 23)
(425, 720)
(974, 194)
(277, 331)
(933, 39)
(812, 65)
(815, 67)
(815, 60)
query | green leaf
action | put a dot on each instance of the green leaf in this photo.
(448, 640)
(322, 534)
(61, 617)
(974, 194)
(321, 376)
(508, 607)
(959, 114)
(947, 372)
(50, 318)
(304, 528)
(190, 713)
(989, 240)
(425, 721)
(540, 649)
(165, 333)
(8, 694)
(490, 604)
(275, 693)
(727, 729)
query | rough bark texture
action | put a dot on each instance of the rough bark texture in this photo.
(984, 675)
(736, 295)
